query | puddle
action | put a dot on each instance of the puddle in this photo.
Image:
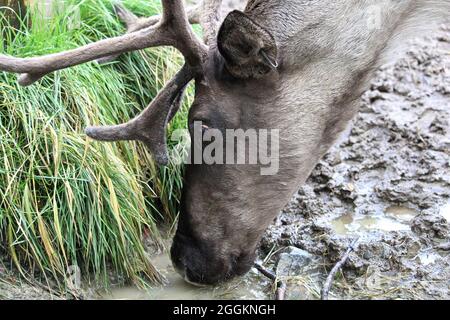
(250, 287)
(394, 218)
(445, 211)
(427, 258)
(401, 213)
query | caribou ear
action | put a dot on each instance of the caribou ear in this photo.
(249, 50)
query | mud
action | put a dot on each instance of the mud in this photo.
(388, 184)
(13, 287)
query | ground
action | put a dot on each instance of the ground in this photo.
(387, 184)
(12, 287)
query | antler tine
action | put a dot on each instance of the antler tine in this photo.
(136, 23)
(210, 16)
(150, 126)
(129, 18)
(186, 41)
(173, 30)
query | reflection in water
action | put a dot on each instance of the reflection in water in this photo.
(401, 213)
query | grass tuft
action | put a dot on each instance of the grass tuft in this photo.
(64, 199)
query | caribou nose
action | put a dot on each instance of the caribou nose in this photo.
(184, 273)
(196, 265)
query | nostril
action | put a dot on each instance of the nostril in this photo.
(198, 264)
(178, 263)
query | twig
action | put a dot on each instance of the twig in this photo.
(265, 272)
(281, 290)
(444, 246)
(281, 286)
(330, 278)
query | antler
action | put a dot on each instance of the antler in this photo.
(134, 23)
(210, 17)
(172, 28)
(206, 13)
(149, 126)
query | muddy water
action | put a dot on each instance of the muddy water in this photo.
(445, 211)
(394, 218)
(250, 287)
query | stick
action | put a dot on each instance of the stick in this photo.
(281, 291)
(281, 286)
(330, 278)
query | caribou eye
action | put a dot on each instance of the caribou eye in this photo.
(205, 128)
(199, 123)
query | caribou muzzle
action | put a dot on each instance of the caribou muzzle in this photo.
(202, 264)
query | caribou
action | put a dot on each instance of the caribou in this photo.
(296, 66)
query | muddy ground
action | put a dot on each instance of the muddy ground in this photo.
(386, 184)
(12, 286)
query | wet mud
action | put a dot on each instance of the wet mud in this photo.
(387, 184)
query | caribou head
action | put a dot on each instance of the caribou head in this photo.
(294, 67)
